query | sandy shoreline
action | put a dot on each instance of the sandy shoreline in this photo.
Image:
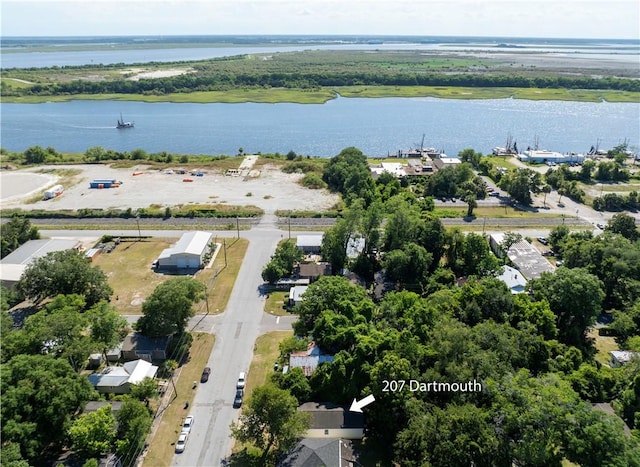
(269, 189)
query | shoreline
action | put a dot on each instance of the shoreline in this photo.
(324, 95)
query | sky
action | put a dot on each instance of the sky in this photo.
(608, 19)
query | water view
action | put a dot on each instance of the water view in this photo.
(376, 126)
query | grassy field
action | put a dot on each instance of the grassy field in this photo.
(220, 279)
(161, 449)
(129, 273)
(604, 345)
(274, 304)
(320, 96)
(445, 92)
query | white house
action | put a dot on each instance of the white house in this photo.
(188, 253)
(309, 243)
(514, 280)
(119, 379)
(622, 357)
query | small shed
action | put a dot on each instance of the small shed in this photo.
(92, 254)
(295, 294)
(309, 359)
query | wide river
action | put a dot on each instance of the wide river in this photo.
(376, 126)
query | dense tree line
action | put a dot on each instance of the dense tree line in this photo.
(309, 80)
(531, 351)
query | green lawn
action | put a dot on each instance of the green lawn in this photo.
(274, 304)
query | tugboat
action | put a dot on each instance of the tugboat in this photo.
(122, 124)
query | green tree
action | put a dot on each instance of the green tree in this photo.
(282, 262)
(107, 326)
(625, 225)
(94, 433)
(145, 389)
(575, 297)
(134, 422)
(40, 394)
(520, 183)
(296, 383)
(270, 421)
(35, 155)
(10, 455)
(16, 232)
(64, 272)
(168, 309)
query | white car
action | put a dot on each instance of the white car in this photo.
(182, 441)
(188, 423)
(241, 381)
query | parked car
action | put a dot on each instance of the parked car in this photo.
(241, 381)
(188, 424)
(181, 443)
(543, 240)
(600, 226)
(494, 193)
(205, 374)
(237, 402)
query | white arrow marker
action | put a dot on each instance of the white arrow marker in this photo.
(356, 406)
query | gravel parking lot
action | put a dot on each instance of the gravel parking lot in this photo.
(269, 189)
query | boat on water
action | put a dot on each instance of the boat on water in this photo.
(122, 124)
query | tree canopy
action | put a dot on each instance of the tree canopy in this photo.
(270, 420)
(64, 272)
(168, 309)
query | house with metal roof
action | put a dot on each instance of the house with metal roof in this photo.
(309, 243)
(119, 379)
(188, 253)
(309, 359)
(524, 256)
(513, 279)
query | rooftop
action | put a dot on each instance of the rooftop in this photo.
(525, 257)
(192, 242)
(309, 241)
(326, 415)
(13, 265)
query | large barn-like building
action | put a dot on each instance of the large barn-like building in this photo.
(14, 264)
(188, 253)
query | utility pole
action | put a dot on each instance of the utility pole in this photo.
(224, 242)
(138, 222)
(289, 225)
(238, 226)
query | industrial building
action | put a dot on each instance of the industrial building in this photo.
(543, 156)
(14, 264)
(188, 253)
(524, 256)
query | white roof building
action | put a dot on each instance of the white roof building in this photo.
(542, 156)
(309, 243)
(296, 292)
(514, 280)
(188, 252)
(524, 256)
(622, 357)
(118, 379)
(13, 265)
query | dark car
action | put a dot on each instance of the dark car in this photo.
(205, 375)
(237, 402)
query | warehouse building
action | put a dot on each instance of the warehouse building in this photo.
(14, 264)
(524, 257)
(189, 253)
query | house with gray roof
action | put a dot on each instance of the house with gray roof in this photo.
(330, 420)
(319, 452)
(138, 346)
